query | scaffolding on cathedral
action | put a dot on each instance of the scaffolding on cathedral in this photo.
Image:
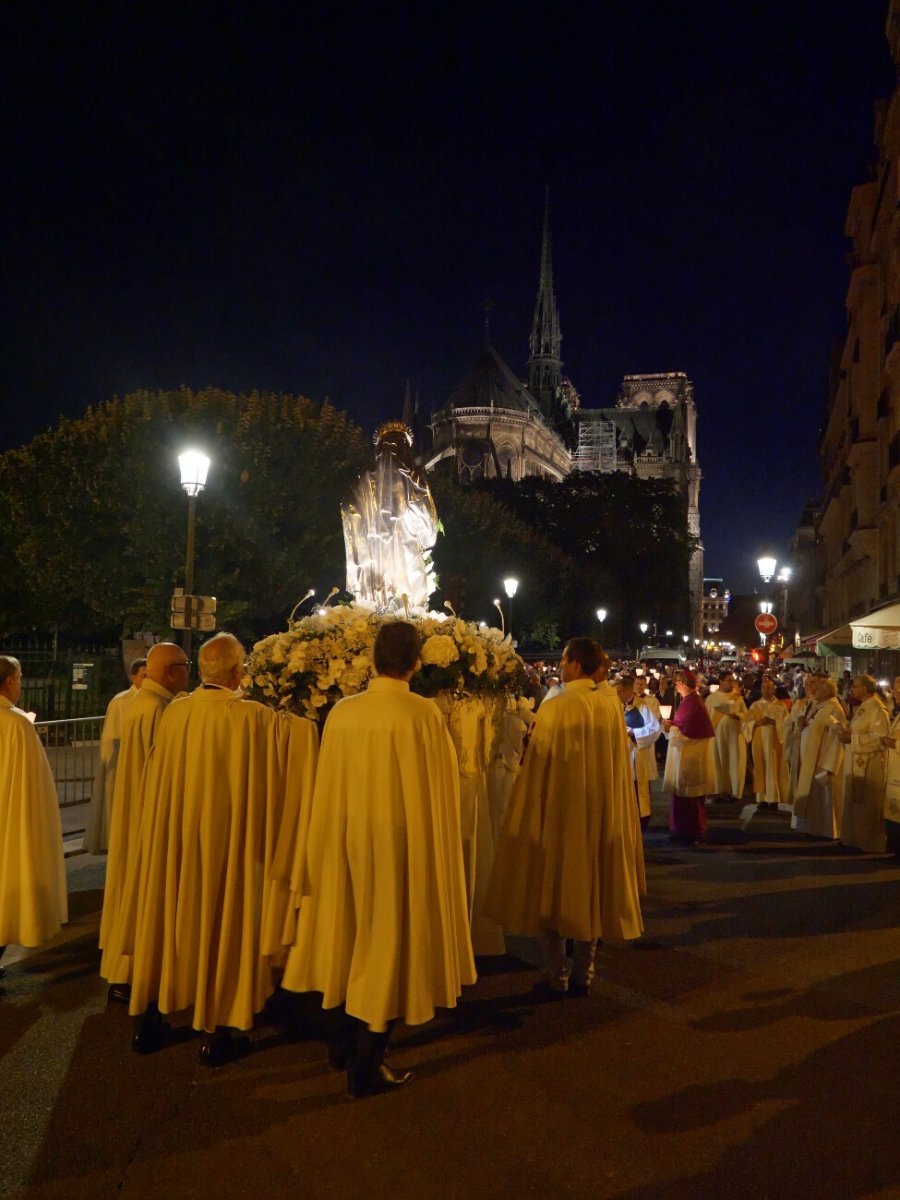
(596, 449)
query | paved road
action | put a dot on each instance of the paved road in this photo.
(748, 1047)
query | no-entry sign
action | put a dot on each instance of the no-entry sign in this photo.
(766, 623)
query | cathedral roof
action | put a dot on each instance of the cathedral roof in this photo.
(491, 384)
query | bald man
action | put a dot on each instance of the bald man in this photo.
(226, 786)
(168, 674)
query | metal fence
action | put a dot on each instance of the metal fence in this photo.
(73, 749)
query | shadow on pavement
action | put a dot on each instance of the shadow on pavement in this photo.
(822, 1142)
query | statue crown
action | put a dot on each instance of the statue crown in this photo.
(389, 427)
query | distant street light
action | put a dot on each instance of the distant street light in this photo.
(601, 615)
(194, 467)
(643, 627)
(510, 586)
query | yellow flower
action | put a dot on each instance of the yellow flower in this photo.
(439, 651)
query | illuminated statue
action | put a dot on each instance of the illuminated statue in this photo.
(390, 525)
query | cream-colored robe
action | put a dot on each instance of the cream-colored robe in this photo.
(228, 788)
(818, 802)
(96, 838)
(729, 744)
(139, 723)
(862, 821)
(570, 856)
(892, 775)
(770, 777)
(383, 927)
(800, 711)
(643, 754)
(32, 869)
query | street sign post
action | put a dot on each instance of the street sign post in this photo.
(193, 612)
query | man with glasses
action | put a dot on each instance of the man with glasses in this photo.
(168, 674)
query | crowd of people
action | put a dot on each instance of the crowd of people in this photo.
(826, 750)
(245, 857)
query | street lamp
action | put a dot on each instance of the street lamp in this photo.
(643, 627)
(767, 564)
(194, 465)
(510, 586)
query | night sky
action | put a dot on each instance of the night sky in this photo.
(317, 198)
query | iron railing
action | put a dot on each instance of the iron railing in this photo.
(73, 749)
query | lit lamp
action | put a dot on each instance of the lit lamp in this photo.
(685, 638)
(510, 586)
(767, 565)
(601, 617)
(643, 627)
(194, 466)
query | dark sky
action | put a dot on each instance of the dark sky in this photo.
(316, 199)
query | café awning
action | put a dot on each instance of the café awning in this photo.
(878, 630)
(837, 641)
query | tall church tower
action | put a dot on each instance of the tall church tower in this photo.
(545, 363)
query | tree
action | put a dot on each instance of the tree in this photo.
(627, 537)
(95, 510)
(483, 541)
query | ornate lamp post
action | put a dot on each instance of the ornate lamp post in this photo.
(194, 466)
(510, 586)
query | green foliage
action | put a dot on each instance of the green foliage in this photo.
(96, 518)
(484, 542)
(594, 540)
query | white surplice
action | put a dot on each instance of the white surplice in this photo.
(862, 823)
(729, 744)
(770, 778)
(819, 798)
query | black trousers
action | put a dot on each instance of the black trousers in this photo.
(352, 1040)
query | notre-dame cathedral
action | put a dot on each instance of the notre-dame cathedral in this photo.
(495, 424)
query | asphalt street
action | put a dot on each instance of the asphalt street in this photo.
(748, 1046)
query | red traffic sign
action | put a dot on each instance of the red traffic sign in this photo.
(766, 623)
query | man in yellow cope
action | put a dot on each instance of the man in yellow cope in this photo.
(227, 792)
(569, 862)
(32, 871)
(168, 673)
(383, 928)
(96, 837)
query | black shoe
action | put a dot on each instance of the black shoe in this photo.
(119, 993)
(363, 1081)
(222, 1050)
(338, 1058)
(151, 1034)
(579, 990)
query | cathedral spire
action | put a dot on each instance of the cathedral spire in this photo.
(545, 363)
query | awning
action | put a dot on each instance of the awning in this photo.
(878, 630)
(838, 642)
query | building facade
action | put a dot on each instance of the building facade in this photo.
(858, 530)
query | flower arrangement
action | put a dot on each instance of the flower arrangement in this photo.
(323, 657)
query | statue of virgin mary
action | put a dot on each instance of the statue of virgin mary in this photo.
(390, 524)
